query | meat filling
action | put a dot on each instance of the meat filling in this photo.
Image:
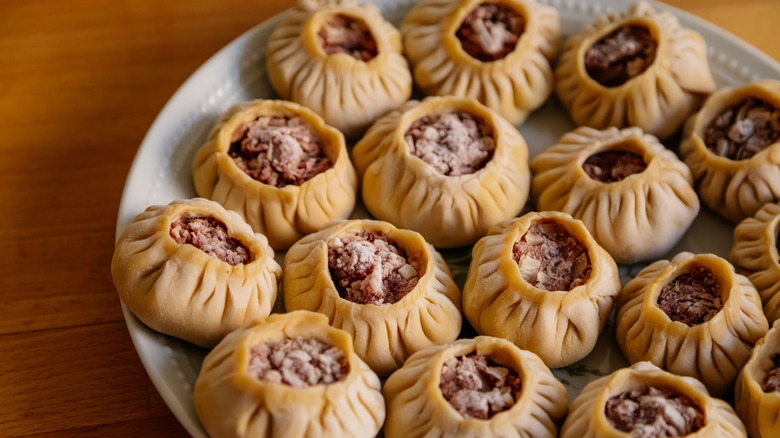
(453, 144)
(343, 34)
(692, 298)
(478, 387)
(210, 236)
(278, 151)
(654, 413)
(743, 130)
(613, 165)
(772, 380)
(550, 258)
(490, 31)
(621, 55)
(297, 362)
(368, 268)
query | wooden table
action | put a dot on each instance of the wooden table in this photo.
(80, 83)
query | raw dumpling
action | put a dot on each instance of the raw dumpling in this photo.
(634, 68)
(757, 395)
(733, 149)
(386, 286)
(194, 270)
(447, 167)
(288, 376)
(497, 52)
(279, 166)
(341, 59)
(693, 316)
(543, 283)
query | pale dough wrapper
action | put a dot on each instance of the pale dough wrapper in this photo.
(400, 188)
(712, 351)
(181, 291)
(231, 403)
(385, 335)
(561, 327)
(283, 214)
(659, 99)
(587, 418)
(416, 406)
(758, 409)
(348, 93)
(734, 188)
(513, 86)
(640, 217)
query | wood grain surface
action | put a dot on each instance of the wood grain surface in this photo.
(80, 83)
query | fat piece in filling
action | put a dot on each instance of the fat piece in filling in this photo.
(692, 298)
(490, 31)
(343, 34)
(654, 413)
(623, 54)
(613, 165)
(210, 236)
(743, 130)
(478, 387)
(297, 362)
(772, 380)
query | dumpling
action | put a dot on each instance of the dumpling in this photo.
(693, 316)
(193, 270)
(481, 387)
(341, 59)
(443, 164)
(645, 401)
(733, 149)
(623, 184)
(279, 166)
(634, 68)
(498, 53)
(543, 283)
(292, 376)
(757, 395)
(386, 286)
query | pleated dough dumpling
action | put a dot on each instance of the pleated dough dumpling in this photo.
(481, 387)
(193, 270)
(543, 283)
(632, 193)
(693, 316)
(341, 59)
(386, 286)
(657, 79)
(288, 376)
(279, 166)
(447, 167)
(645, 401)
(757, 395)
(733, 149)
(498, 52)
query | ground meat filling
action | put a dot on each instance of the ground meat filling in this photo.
(278, 151)
(477, 387)
(621, 55)
(613, 165)
(297, 362)
(453, 144)
(210, 236)
(654, 413)
(490, 31)
(772, 380)
(343, 34)
(692, 298)
(368, 268)
(743, 130)
(550, 258)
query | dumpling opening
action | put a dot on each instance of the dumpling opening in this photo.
(621, 55)
(653, 412)
(298, 362)
(550, 258)
(211, 236)
(278, 151)
(614, 164)
(343, 34)
(692, 298)
(370, 268)
(490, 31)
(452, 143)
(743, 130)
(772, 380)
(477, 387)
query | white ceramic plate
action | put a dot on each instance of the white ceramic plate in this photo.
(161, 172)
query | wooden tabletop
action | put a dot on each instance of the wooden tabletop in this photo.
(80, 83)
